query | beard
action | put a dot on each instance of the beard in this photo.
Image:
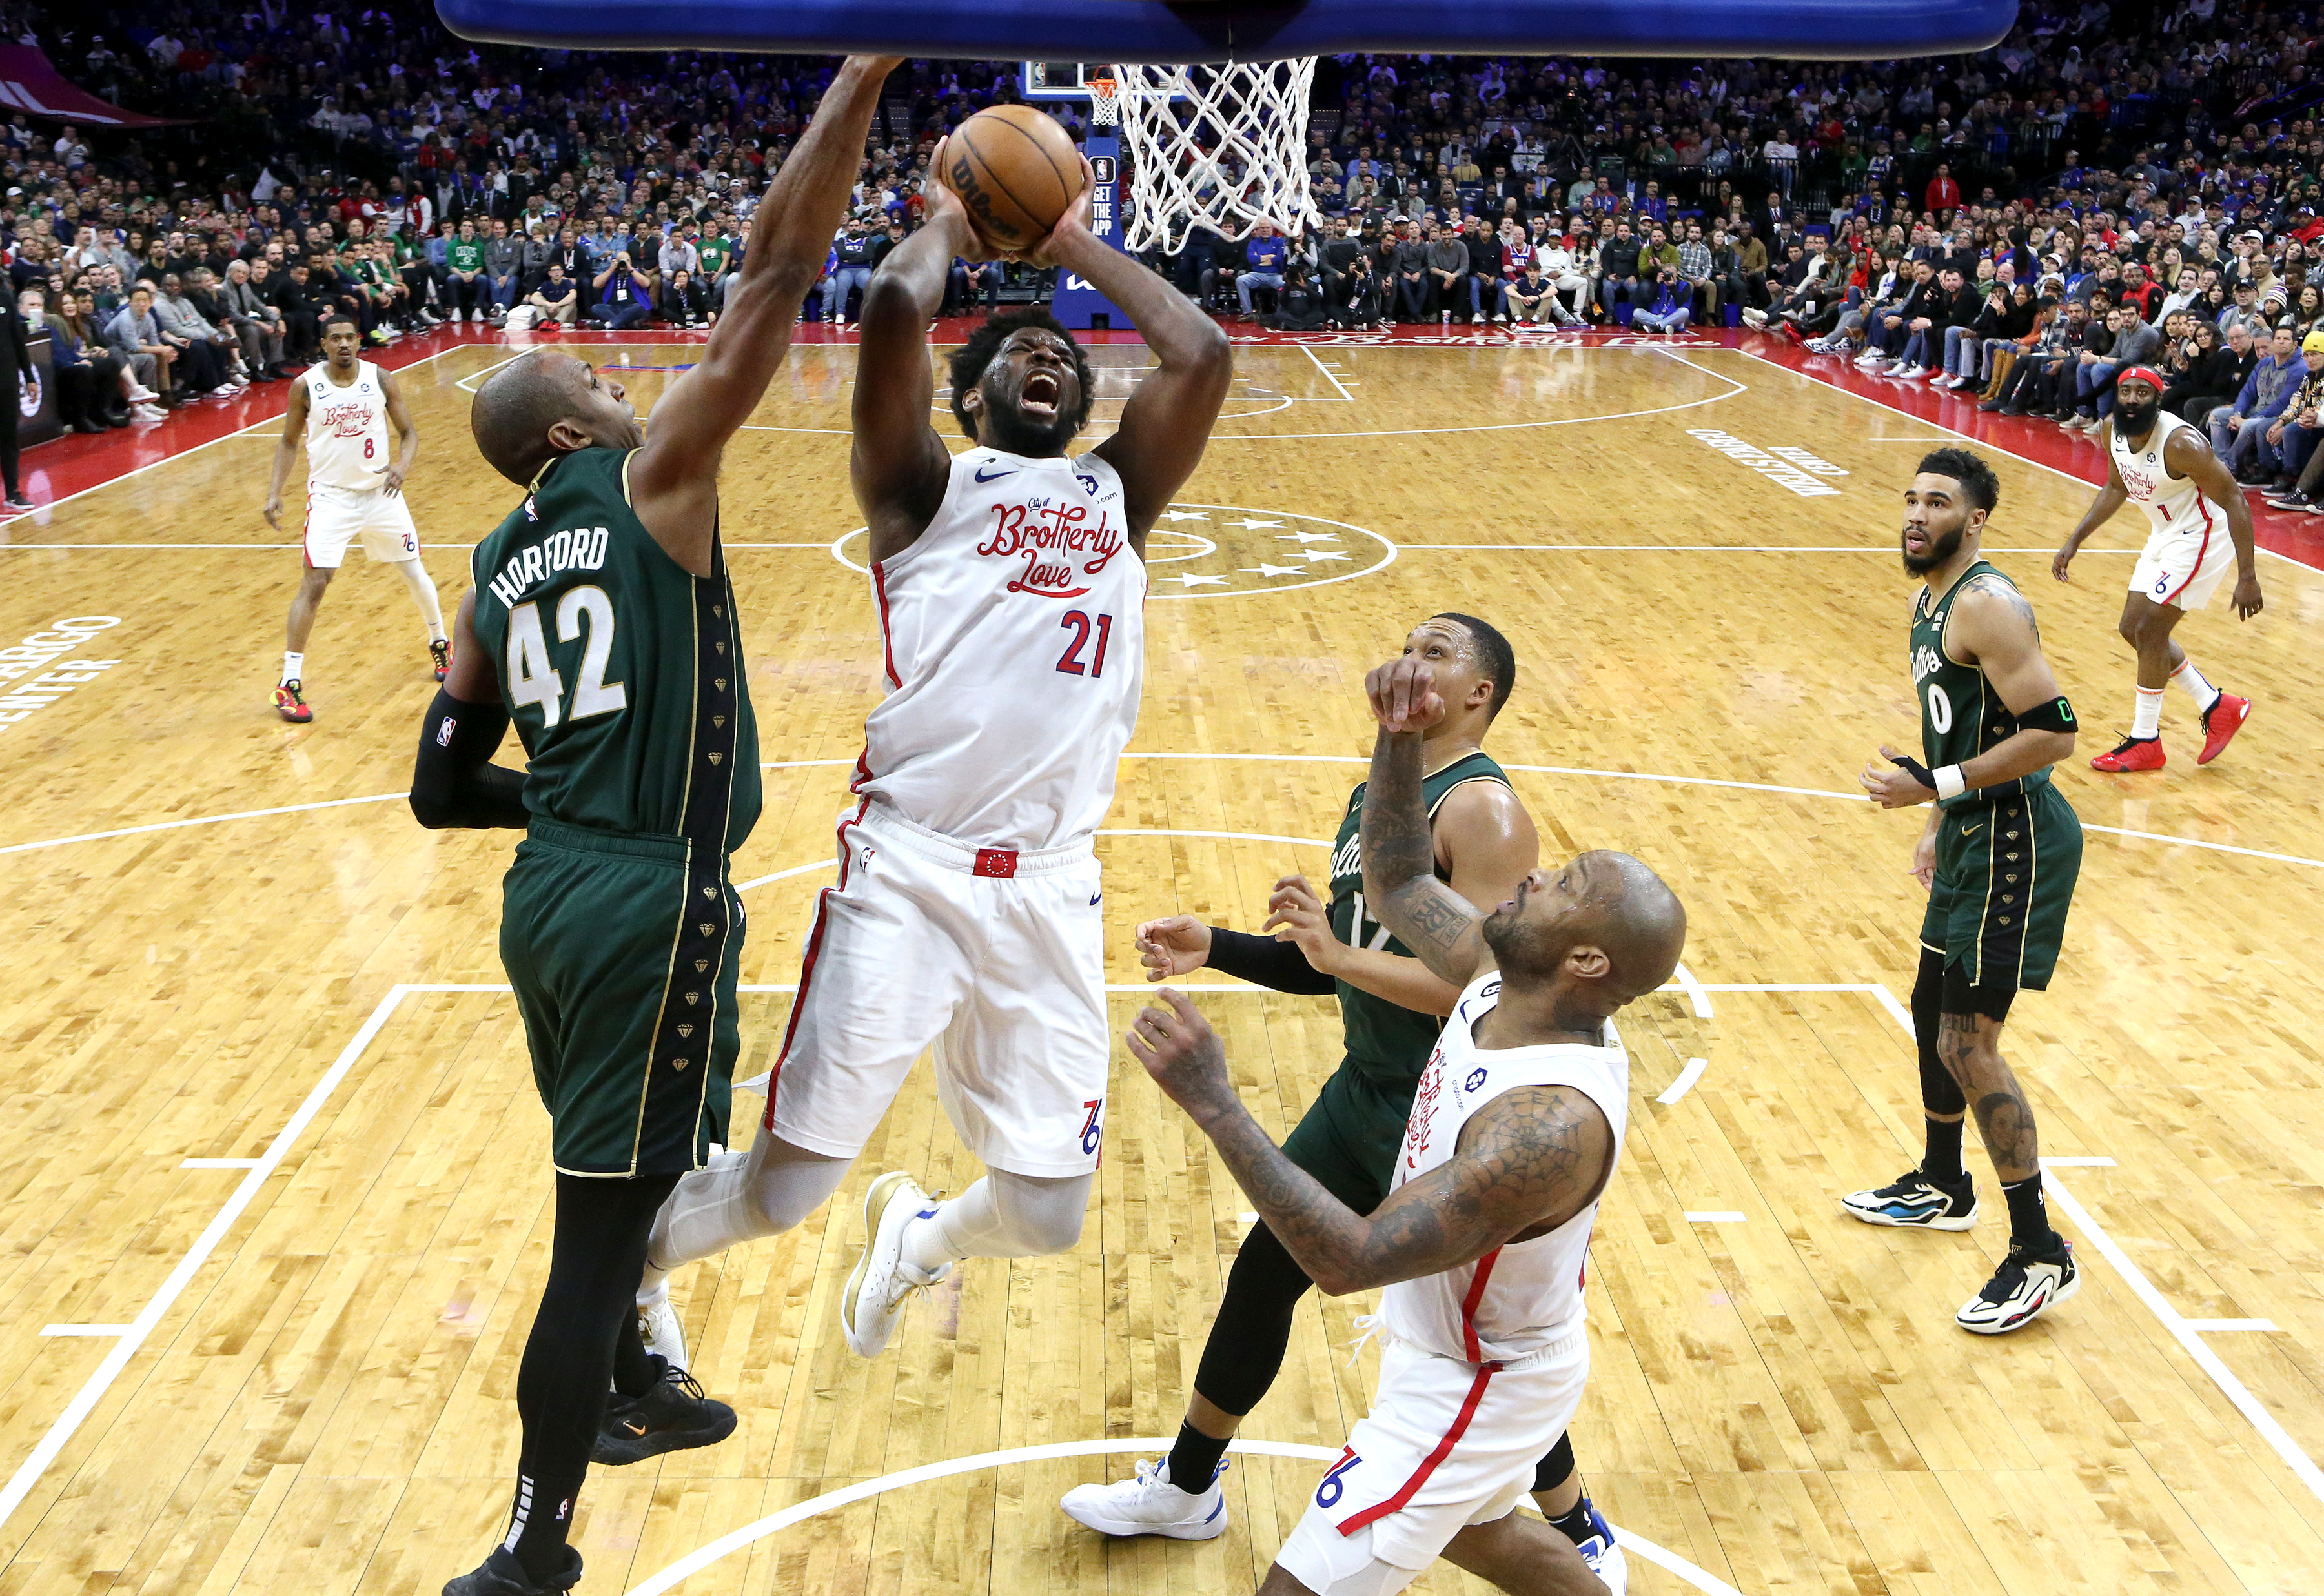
(1938, 552)
(1015, 432)
(2131, 421)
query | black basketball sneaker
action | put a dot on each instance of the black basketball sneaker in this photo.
(500, 1575)
(674, 1414)
(1916, 1202)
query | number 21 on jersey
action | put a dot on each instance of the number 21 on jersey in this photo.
(532, 680)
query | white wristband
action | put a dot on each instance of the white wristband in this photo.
(1950, 784)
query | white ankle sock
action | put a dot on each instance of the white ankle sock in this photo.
(2148, 721)
(1002, 1215)
(293, 666)
(2196, 683)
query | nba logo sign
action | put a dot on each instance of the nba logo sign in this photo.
(1102, 168)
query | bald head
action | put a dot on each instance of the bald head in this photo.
(1638, 924)
(1591, 935)
(519, 407)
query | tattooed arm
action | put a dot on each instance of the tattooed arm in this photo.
(1438, 924)
(1992, 627)
(1527, 1162)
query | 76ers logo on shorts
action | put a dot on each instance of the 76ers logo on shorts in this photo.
(1328, 1494)
(1094, 1127)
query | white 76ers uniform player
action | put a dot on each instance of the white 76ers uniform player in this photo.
(1009, 586)
(2188, 553)
(360, 441)
(2201, 530)
(1483, 1365)
(349, 452)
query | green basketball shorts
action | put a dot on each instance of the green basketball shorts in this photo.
(622, 953)
(1349, 1136)
(2004, 878)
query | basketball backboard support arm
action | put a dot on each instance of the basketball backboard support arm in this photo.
(1163, 31)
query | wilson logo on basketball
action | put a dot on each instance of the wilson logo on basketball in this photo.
(973, 195)
(1057, 543)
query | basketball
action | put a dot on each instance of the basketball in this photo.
(1017, 171)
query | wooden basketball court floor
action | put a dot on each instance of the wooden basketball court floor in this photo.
(275, 1202)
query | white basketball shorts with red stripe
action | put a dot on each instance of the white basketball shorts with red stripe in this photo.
(994, 958)
(2184, 562)
(1446, 1444)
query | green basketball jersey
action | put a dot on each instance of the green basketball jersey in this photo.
(1384, 1041)
(1960, 715)
(623, 670)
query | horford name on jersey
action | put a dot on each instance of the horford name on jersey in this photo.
(583, 548)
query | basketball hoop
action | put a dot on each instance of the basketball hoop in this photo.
(1105, 101)
(1222, 147)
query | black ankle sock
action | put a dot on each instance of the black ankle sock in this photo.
(1194, 1460)
(1941, 1163)
(2029, 1219)
(1575, 1525)
(540, 1521)
(636, 1371)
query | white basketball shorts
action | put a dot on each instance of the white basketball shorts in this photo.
(1446, 1444)
(995, 958)
(336, 517)
(2184, 562)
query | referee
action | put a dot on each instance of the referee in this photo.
(1392, 1008)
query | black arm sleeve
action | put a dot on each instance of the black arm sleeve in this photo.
(1266, 962)
(452, 786)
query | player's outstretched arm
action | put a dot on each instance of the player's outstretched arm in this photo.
(1166, 424)
(2189, 455)
(2111, 498)
(898, 463)
(1527, 1162)
(454, 783)
(673, 480)
(1437, 923)
(294, 427)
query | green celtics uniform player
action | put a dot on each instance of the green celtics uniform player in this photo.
(1391, 1009)
(603, 624)
(1998, 856)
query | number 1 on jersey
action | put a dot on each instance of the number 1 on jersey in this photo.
(1070, 662)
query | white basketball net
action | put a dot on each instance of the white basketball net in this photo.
(1222, 147)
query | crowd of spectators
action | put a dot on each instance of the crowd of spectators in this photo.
(2113, 183)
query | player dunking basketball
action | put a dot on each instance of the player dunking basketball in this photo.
(603, 624)
(344, 408)
(1010, 584)
(1999, 857)
(2201, 526)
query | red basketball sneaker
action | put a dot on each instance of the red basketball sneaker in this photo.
(2221, 721)
(290, 705)
(440, 651)
(2133, 753)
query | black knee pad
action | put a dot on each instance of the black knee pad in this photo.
(1940, 1093)
(1990, 999)
(1556, 1468)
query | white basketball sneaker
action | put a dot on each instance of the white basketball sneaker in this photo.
(1149, 1504)
(2026, 1285)
(1603, 1553)
(873, 1302)
(659, 1328)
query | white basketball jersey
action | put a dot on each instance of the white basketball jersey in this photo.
(2170, 502)
(1013, 643)
(1522, 1295)
(347, 446)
